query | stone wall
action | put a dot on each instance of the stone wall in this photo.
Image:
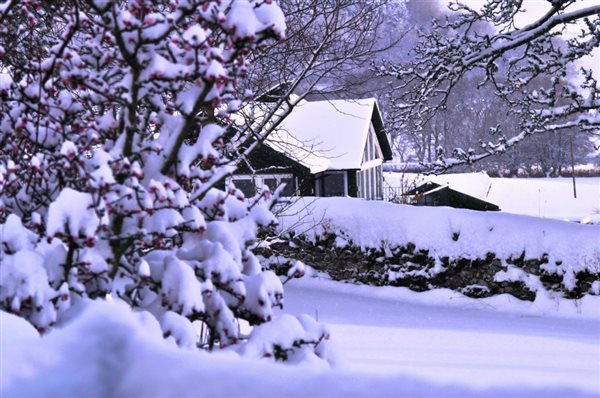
(418, 270)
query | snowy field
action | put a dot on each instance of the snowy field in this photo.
(547, 197)
(442, 336)
(538, 197)
(390, 342)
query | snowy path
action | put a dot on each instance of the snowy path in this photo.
(472, 347)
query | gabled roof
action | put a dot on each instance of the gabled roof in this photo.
(427, 186)
(462, 200)
(471, 189)
(330, 135)
(476, 185)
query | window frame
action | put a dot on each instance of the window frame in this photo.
(258, 180)
(320, 190)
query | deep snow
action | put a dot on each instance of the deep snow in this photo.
(390, 341)
(452, 233)
(449, 338)
(390, 347)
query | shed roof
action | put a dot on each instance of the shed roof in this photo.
(476, 185)
(462, 200)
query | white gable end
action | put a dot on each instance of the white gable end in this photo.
(372, 153)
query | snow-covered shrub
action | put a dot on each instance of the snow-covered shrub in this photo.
(289, 338)
(115, 133)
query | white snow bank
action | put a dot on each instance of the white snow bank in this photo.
(448, 338)
(15, 333)
(456, 233)
(109, 351)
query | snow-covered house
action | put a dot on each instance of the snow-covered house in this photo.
(464, 190)
(323, 148)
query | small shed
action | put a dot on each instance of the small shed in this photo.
(464, 191)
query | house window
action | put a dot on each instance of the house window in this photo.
(370, 183)
(379, 181)
(363, 178)
(360, 182)
(290, 187)
(247, 186)
(250, 185)
(332, 184)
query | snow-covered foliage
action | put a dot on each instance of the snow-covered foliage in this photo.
(113, 135)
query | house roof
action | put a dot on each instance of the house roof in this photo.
(427, 186)
(476, 185)
(330, 135)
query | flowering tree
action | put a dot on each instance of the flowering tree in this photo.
(529, 67)
(114, 118)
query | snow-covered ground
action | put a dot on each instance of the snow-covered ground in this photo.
(390, 341)
(390, 344)
(547, 197)
(443, 336)
(466, 342)
(539, 197)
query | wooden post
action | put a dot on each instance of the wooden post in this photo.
(573, 169)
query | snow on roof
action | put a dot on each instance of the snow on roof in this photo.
(325, 135)
(473, 184)
(303, 152)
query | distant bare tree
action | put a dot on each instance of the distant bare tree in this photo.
(528, 68)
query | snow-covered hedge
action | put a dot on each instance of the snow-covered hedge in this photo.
(104, 349)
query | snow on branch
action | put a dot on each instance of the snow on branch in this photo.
(530, 68)
(113, 134)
